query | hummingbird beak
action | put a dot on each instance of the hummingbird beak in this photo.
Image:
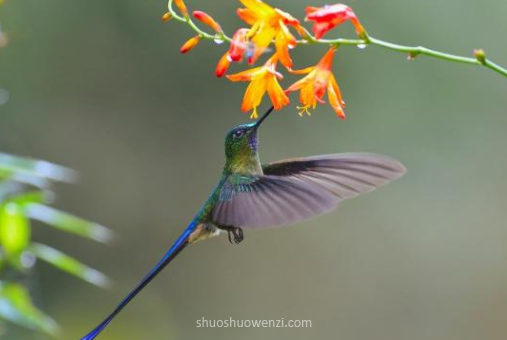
(259, 122)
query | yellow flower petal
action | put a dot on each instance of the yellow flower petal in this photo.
(261, 40)
(276, 94)
(335, 102)
(253, 94)
(257, 6)
(283, 40)
(334, 84)
(302, 71)
(299, 84)
(247, 15)
(246, 75)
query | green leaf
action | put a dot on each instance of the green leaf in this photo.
(69, 265)
(14, 229)
(69, 223)
(10, 164)
(4, 174)
(28, 197)
(16, 306)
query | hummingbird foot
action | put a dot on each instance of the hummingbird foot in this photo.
(235, 234)
(203, 232)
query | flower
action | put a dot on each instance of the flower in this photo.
(238, 44)
(166, 17)
(223, 65)
(268, 23)
(313, 86)
(262, 79)
(208, 20)
(327, 17)
(190, 44)
(235, 53)
(182, 7)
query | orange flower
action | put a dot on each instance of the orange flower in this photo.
(327, 17)
(313, 86)
(190, 44)
(268, 23)
(262, 79)
(208, 20)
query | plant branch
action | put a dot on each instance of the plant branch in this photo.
(218, 36)
(415, 51)
(412, 51)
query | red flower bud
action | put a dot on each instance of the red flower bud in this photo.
(223, 65)
(208, 20)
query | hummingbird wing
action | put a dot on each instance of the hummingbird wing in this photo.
(344, 175)
(257, 202)
(297, 189)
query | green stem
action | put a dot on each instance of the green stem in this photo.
(186, 19)
(414, 51)
(495, 67)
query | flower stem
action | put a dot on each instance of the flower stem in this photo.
(423, 50)
(414, 51)
(186, 19)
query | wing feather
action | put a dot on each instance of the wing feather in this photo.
(344, 175)
(297, 189)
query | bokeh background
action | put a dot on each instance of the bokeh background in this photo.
(99, 86)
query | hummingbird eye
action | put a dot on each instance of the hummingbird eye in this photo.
(239, 133)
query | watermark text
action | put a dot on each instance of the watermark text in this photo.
(248, 323)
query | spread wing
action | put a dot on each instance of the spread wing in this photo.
(268, 201)
(297, 189)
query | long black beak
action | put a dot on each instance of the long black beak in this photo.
(259, 122)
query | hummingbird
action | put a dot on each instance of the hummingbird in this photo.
(253, 196)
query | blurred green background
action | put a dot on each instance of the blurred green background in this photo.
(100, 87)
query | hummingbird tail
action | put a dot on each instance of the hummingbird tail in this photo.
(175, 249)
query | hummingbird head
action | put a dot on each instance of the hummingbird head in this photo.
(241, 145)
(241, 139)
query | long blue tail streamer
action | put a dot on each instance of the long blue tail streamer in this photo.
(175, 249)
